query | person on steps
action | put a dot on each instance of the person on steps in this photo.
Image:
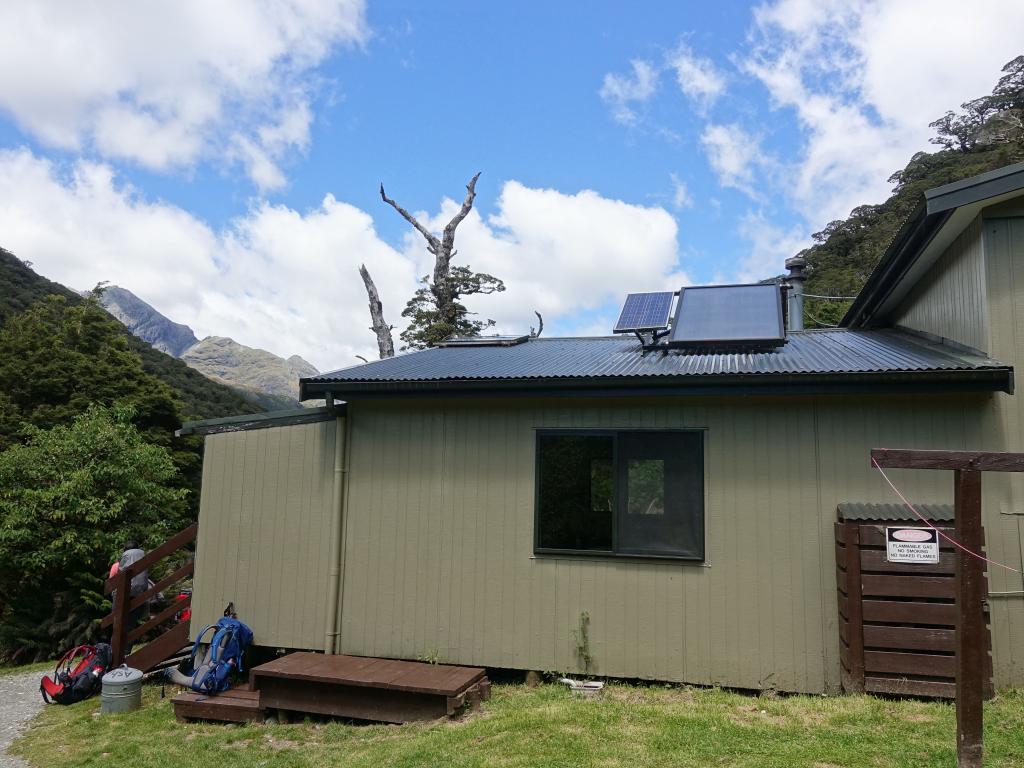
(140, 583)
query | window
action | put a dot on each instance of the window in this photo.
(621, 493)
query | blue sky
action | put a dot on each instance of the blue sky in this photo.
(223, 164)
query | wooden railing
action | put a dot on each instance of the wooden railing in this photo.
(123, 632)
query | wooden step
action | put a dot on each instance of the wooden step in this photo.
(160, 649)
(235, 705)
(365, 688)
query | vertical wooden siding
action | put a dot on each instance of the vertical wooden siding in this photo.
(951, 299)
(264, 532)
(440, 516)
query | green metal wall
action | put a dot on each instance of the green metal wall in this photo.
(264, 532)
(1003, 429)
(974, 295)
(951, 300)
(439, 534)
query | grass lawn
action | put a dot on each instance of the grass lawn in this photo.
(546, 726)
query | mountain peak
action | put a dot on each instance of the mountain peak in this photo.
(146, 323)
(259, 375)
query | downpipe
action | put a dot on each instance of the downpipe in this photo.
(337, 528)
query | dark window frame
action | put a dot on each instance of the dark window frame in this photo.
(614, 554)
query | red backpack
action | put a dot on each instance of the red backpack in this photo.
(78, 674)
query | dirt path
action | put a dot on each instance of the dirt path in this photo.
(19, 702)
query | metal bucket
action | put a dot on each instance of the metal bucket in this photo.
(122, 690)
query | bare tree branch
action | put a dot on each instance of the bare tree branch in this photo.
(433, 244)
(385, 344)
(448, 237)
(540, 329)
(442, 249)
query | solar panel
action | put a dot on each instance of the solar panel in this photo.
(729, 315)
(645, 312)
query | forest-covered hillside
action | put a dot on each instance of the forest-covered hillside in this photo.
(201, 398)
(88, 457)
(985, 134)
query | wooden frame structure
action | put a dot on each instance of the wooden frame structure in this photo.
(897, 621)
(967, 467)
(123, 633)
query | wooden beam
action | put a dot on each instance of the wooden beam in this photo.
(970, 635)
(155, 621)
(137, 602)
(176, 542)
(160, 649)
(853, 586)
(981, 461)
(120, 613)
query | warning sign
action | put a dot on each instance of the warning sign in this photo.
(911, 545)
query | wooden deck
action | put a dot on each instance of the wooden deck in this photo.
(356, 687)
(237, 705)
(362, 688)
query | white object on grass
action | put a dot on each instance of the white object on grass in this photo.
(583, 687)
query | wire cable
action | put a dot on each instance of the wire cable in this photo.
(923, 519)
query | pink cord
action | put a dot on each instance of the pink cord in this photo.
(954, 542)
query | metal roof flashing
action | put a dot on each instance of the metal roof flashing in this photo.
(266, 420)
(933, 226)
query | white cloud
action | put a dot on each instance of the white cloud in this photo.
(769, 247)
(167, 84)
(622, 93)
(698, 78)
(286, 280)
(865, 78)
(681, 196)
(275, 278)
(734, 155)
(563, 255)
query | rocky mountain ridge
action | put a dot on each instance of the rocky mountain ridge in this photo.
(258, 375)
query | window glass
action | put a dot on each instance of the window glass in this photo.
(628, 493)
(576, 493)
(646, 492)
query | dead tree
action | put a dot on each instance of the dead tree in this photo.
(385, 344)
(442, 249)
(540, 327)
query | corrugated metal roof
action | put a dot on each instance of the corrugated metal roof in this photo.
(841, 351)
(854, 511)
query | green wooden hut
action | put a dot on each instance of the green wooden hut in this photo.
(474, 502)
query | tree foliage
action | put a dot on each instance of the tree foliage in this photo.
(435, 312)
(57, 357)
(430, 324)
(986, 134)
(70, 497)
(200, 397)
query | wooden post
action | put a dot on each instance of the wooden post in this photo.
(970, 627)
(119, 631)
(970, 635)
(855, 608)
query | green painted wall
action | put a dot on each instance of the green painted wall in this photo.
(974, 295)
(439, 535)
(950, 301)
(264, 532)
(1003, 429)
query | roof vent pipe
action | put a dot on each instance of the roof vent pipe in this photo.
(797, 274)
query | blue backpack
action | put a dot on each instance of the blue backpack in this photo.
(230, 640)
